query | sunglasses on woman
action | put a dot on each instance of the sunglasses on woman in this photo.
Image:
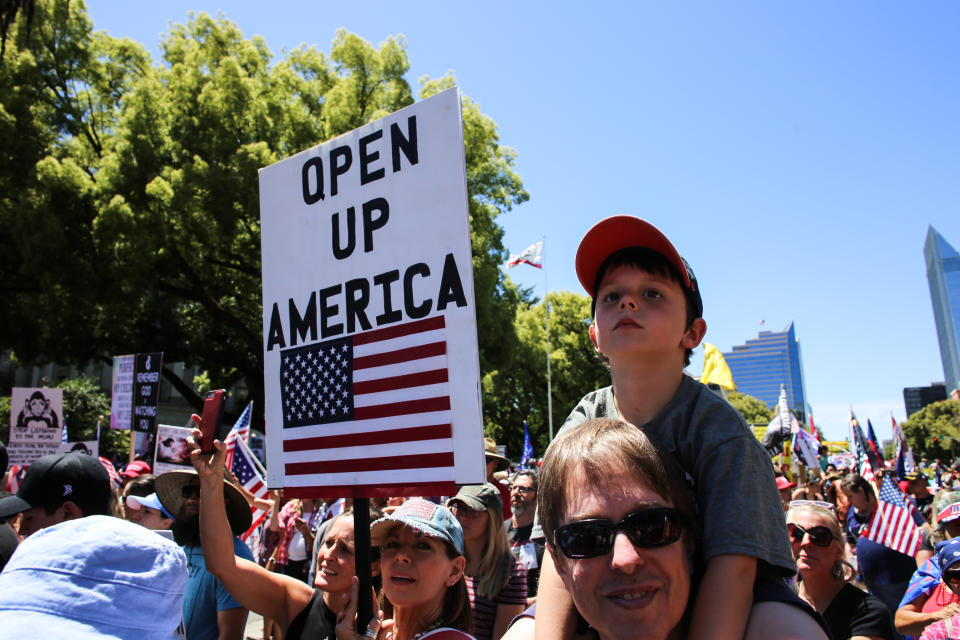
(647, 528)
(820, 535)
(951, 577)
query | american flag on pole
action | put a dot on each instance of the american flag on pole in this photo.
(251, 480)
(370, 412)
(240, 430)
(892, 524)
(532, 255)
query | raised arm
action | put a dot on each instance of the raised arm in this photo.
(272, 595)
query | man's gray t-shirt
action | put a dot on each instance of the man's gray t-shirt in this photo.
(739, 508)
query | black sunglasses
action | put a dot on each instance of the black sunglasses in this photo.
(951, 576)
(820, 535)
(646, 528)
(189, 490)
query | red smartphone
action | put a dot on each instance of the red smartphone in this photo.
(212, 416)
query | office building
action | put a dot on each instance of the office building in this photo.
(772, 359)
(916, 398)
(943, 274)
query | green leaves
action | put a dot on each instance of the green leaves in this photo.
(130, 186)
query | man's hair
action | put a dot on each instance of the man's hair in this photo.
(856, 482)
(527, 473)
(601, 447)
(649, 261)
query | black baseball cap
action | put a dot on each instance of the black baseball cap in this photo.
(57, 478)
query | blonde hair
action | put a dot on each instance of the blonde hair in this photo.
(497, 560)
(842, 569)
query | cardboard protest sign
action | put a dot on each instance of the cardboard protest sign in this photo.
(172, 450)
(121, 401)
(36, 423)
(370, 348)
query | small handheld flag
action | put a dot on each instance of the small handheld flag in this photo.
(891, 523)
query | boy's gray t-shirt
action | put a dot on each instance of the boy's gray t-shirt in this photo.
(739, 508)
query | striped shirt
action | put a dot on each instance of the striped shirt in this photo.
(485, 610)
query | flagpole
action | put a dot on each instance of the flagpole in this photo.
(546, 306)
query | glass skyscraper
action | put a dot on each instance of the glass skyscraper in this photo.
(943, 274)
(761, 365)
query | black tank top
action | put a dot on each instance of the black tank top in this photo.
(315, 622)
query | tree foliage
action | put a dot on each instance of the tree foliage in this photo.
(934, 431)
(753, 410)
(129, 189)
(518, 391)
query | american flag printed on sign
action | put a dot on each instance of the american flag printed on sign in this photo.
(251, 480)
(891, 523)
(370, 412)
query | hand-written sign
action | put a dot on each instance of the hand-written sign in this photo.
(121, 401)
(370, 349)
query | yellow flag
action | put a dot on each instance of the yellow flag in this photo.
(715, 368)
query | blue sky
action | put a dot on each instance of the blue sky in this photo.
(795, 153)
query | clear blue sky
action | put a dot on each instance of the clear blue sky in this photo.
(795, 153)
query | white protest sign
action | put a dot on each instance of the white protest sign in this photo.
(371, 366)
(173, 452)
(121, 401)
(36, 423)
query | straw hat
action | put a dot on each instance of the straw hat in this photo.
(490, 451)
(169, 488)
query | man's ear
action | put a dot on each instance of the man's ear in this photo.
(593, 335)
(694, 334)
(71, 511)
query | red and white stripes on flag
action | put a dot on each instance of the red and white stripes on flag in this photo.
(247, 474)
(532, 255)
(369, 414)
(241, 430)
(892, 525)
(111, 471)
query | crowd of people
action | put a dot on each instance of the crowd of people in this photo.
(654, 514)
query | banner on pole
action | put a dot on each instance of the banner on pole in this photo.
(370, 346)
(36, 423)
(146, 391)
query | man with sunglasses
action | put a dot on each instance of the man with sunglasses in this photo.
(620, 526)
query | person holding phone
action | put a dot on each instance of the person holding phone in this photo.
(300, 610)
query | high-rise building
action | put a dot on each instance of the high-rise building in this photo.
(943, 274)
(772, 359)
(916, 398)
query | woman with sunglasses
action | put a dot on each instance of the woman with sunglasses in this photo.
(824, 574)
(932, 614)
(424, 594)
(496, 580)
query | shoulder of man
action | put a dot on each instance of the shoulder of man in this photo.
(596, 404)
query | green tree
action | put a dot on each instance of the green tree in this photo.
(519, 392)
(934, 431)
(753, 410)
(139, 226)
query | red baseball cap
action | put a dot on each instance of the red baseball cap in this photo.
(784, 483)
(620, 232)
(135, 468)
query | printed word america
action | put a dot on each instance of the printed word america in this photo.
(343, 307)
